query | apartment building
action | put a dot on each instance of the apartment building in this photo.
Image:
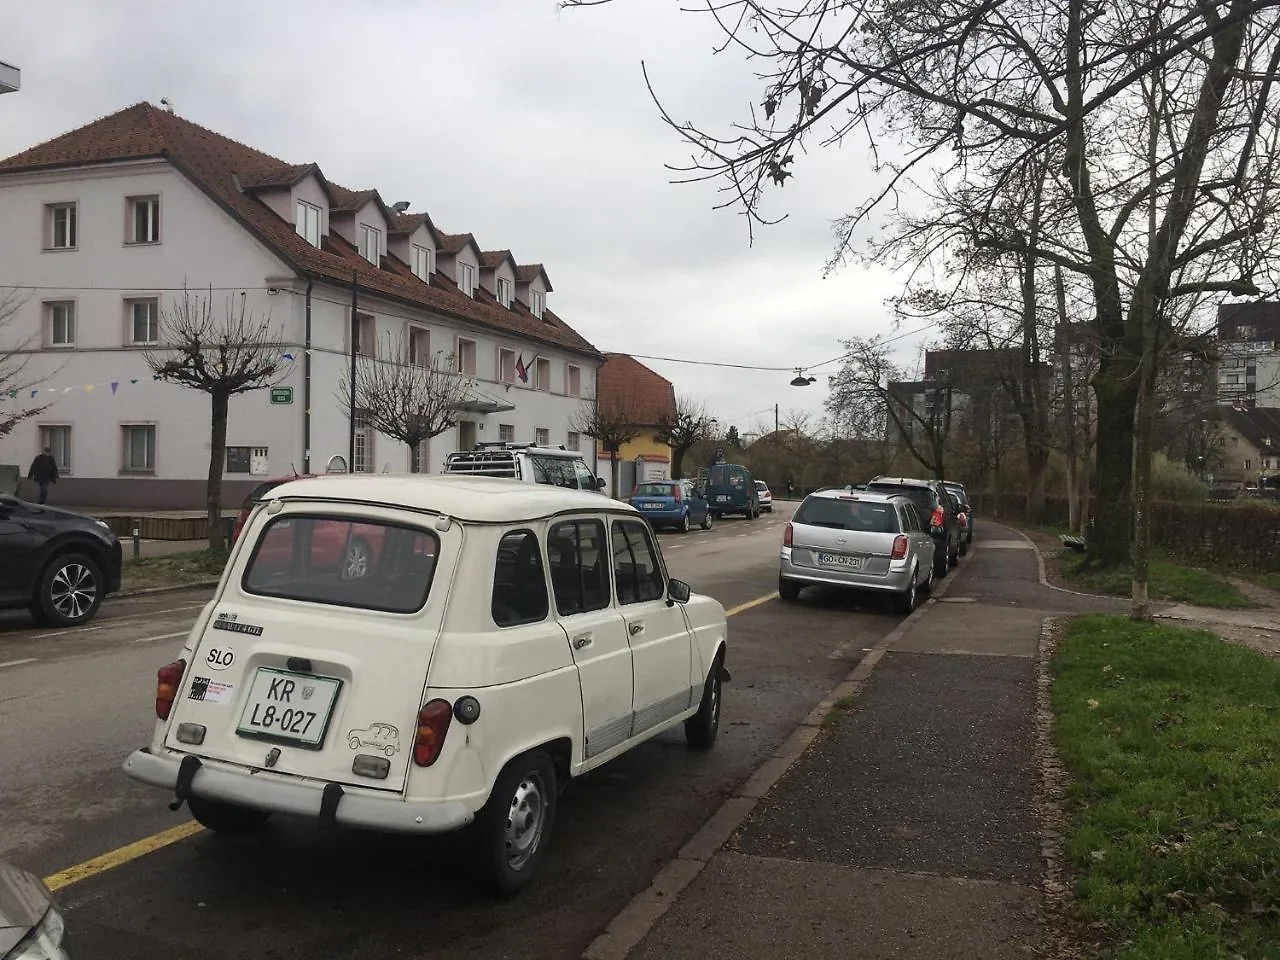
(106, 226)
(1249, 354)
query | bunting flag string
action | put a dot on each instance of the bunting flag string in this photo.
(113, 385)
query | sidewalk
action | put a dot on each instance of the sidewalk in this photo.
(907, 829)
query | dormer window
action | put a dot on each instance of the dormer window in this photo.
(537, 302)
(371, 244)
(308, 222)
(422, 263)
(504, 291)
(467, 279)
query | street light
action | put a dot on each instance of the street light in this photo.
(801, 380)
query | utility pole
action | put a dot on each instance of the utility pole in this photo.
(777, 448)
(355, 343)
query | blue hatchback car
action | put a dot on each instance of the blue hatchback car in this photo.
(671, 503)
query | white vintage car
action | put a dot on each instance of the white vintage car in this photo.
(504, 638)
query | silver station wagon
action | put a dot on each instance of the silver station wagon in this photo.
(859, 540)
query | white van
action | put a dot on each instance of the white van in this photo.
(500, 638)
(527, 462)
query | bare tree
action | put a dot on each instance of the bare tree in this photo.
(407, 397)
(683, 428)
(611, 424)
(15, 383)
(221, 357)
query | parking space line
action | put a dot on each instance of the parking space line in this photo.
(122, 855)
(113, 622)
(18, 663)
(750, 604)
(163, 636)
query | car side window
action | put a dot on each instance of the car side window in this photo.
(519, 584)
(635, 564)
(586, 479)
(579, 566)
(555, 472)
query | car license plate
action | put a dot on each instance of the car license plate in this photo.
(293, 707)
(655, 506)
(722, 499)
(838, 560)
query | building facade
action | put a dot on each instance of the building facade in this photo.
(113, 224)
(643, 397)
(1249, 354)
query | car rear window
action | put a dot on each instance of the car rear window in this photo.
(260, 491)
(347, 563)
(654, 489)
(867, 516)
(719, 476)
(922, 497)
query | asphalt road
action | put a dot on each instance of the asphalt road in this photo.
(74, 703)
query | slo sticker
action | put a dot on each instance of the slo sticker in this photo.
(211, 691)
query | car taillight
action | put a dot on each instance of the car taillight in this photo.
(939, 518)
(433, 724)
(786, 535)
(168, 680)
(899, 548)
(679, 494)
(963, 518)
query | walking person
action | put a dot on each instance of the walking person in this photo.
(44, 471)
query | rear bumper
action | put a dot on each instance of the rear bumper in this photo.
(895, 581)
(663, 516)
(264, 791)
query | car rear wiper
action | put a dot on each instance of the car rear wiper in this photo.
(823, 523)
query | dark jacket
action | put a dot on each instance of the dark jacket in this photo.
(44, 469)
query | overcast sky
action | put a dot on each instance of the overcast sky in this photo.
(527, 126)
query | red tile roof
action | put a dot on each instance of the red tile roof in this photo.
(492, 259)
(405, 223)
(216, 164)
(528, 272)
(624, 383)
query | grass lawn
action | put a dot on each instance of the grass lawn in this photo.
(1172, 741)
(172, 569)
(1169, 581)
(1269, 580)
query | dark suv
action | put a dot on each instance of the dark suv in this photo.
(57, 564)
(937, 507)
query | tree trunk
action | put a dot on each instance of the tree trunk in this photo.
(1037, 467)
(1073, 494)
(217, 456)
(1116, 389)
(677, 462)
(1141, 553)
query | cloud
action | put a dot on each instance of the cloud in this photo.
(525, 125)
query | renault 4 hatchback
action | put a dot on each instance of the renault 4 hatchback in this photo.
(865, 541)
(503, 638)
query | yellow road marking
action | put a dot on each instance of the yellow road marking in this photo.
(122, 855)
(158, 841)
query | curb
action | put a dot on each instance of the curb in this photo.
(1044, 579)
(172, 588)
(633, 923)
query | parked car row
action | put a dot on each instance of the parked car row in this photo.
(892, 535)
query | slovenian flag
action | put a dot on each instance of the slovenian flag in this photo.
(521, 370)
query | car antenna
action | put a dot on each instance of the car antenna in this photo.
(295, 470)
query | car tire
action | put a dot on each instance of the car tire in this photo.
(788, 590)
(358, 560)
(70, 590)
(953, 558)
(226, 819)
(522, 802)
(940, 563)
(354, 743)
(964, 547)
(701, 729)
(684, 522)
(706, 521)
(927, 586)
(905, 602)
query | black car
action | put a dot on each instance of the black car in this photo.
(57, 564)
(938, 507)
(958, 491)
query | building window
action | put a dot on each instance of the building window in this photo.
(1248, 464)
(467, 279)
(543, 436)
(308, 222)
(365, 339)
(574, 441)
(504, 291)
(61, 324)
(542, 374)
(573, 381)
(144, 321)
(1244, 331)
(422, 263)
(537, 302)
(507, 366)
(364, 444)
(467, 357)
(371, 244)
(139, 448)
(144, 219)
(57, 440)
(60, 226)
(419, 346)
(507, 432)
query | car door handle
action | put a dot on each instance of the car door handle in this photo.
(583, 640)
(634, 628)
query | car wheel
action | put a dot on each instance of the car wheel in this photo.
(389, 750)
(706, 521)
(927, 586)
(940, 564)
(513, 827)
(354, 743)
(701, 729)
(358, 562)
(684, 523)
(906, 601)
(788, 589)
(953, 558)
(70, 590)
(226, 818)
(964, 547)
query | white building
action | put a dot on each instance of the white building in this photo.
(105, 226)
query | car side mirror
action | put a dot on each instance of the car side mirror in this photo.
(678, 592)
(599, 483)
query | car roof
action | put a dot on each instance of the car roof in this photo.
(903, 482)
(479, 499)
(863, 496)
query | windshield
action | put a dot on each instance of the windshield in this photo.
(848, 515)
(719, 476)
(345, 562)
(654, 490)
